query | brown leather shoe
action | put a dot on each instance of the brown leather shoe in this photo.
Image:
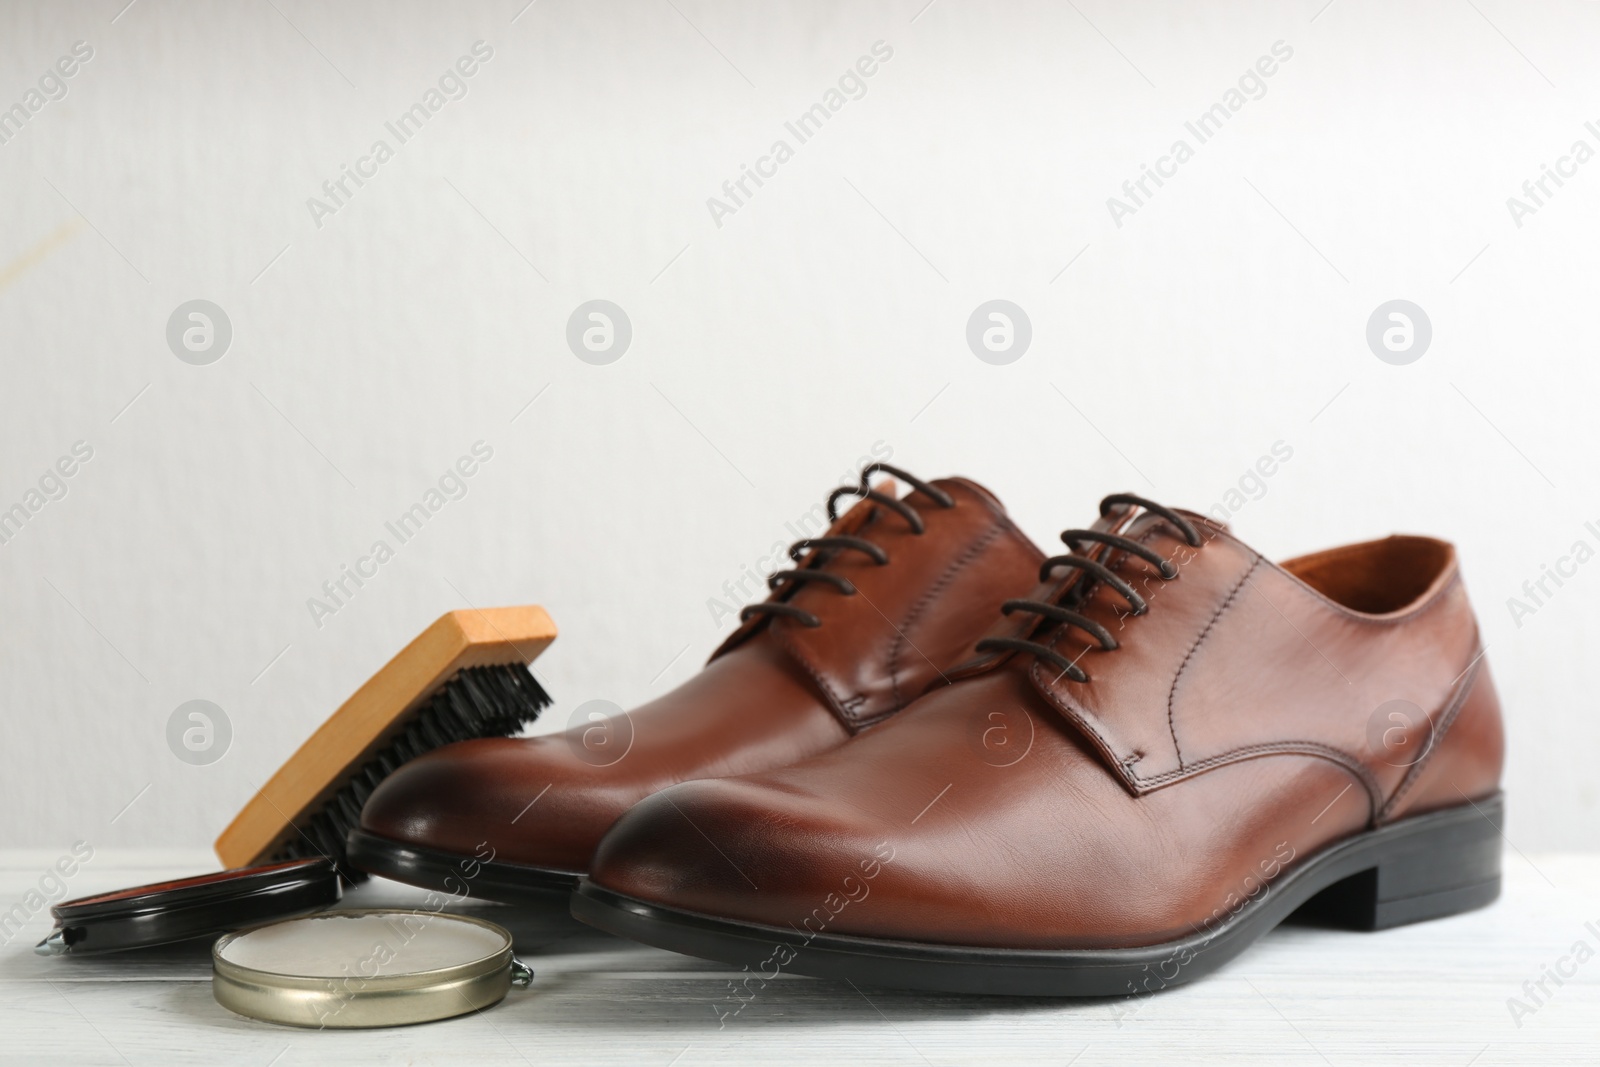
(1168, 750)
(894, 593)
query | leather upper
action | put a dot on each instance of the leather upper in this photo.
(1246, 720)
(1251, 661)
(776, 691)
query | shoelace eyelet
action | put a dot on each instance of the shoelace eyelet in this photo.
(1091, 570)
(845, 542)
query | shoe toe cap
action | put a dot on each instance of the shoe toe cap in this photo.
(521, 797)
(738, 848)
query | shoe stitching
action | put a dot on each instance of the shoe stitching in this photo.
(834, 698)
(1070, 708)
(924, 602)
(1299, 585)
(1198, 641)
(1376, 802)
(1305, 748)
(799, 656)
(1084, 721)
(1003, 524)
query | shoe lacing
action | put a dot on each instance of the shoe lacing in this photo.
(828, 547)
(1063, 614)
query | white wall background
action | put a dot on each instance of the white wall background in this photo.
(768, 354)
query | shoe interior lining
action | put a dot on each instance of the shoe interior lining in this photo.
(1376, 577)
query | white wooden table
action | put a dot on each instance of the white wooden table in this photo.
(1430, 994)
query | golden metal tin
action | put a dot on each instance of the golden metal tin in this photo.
(463, 966)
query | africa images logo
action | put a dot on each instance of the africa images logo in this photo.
(452, 85)
(1251, 85)
(851, 85)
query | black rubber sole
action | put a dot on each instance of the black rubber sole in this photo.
(1424, 867)
(446, 872)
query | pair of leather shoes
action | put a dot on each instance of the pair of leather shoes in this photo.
(934, 758)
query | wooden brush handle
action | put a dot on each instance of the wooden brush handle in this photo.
(376, 713)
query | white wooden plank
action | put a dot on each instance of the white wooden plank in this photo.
(1434, 993)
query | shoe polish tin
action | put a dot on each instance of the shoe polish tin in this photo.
(365, 968)
(201, 906)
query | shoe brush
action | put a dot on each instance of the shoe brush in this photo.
(464, 677)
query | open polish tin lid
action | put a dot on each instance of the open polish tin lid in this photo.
(365, 968)
(205, 905)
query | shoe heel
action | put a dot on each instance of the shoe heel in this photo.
(1432, 866)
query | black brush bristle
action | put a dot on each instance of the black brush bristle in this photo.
(477, 702)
